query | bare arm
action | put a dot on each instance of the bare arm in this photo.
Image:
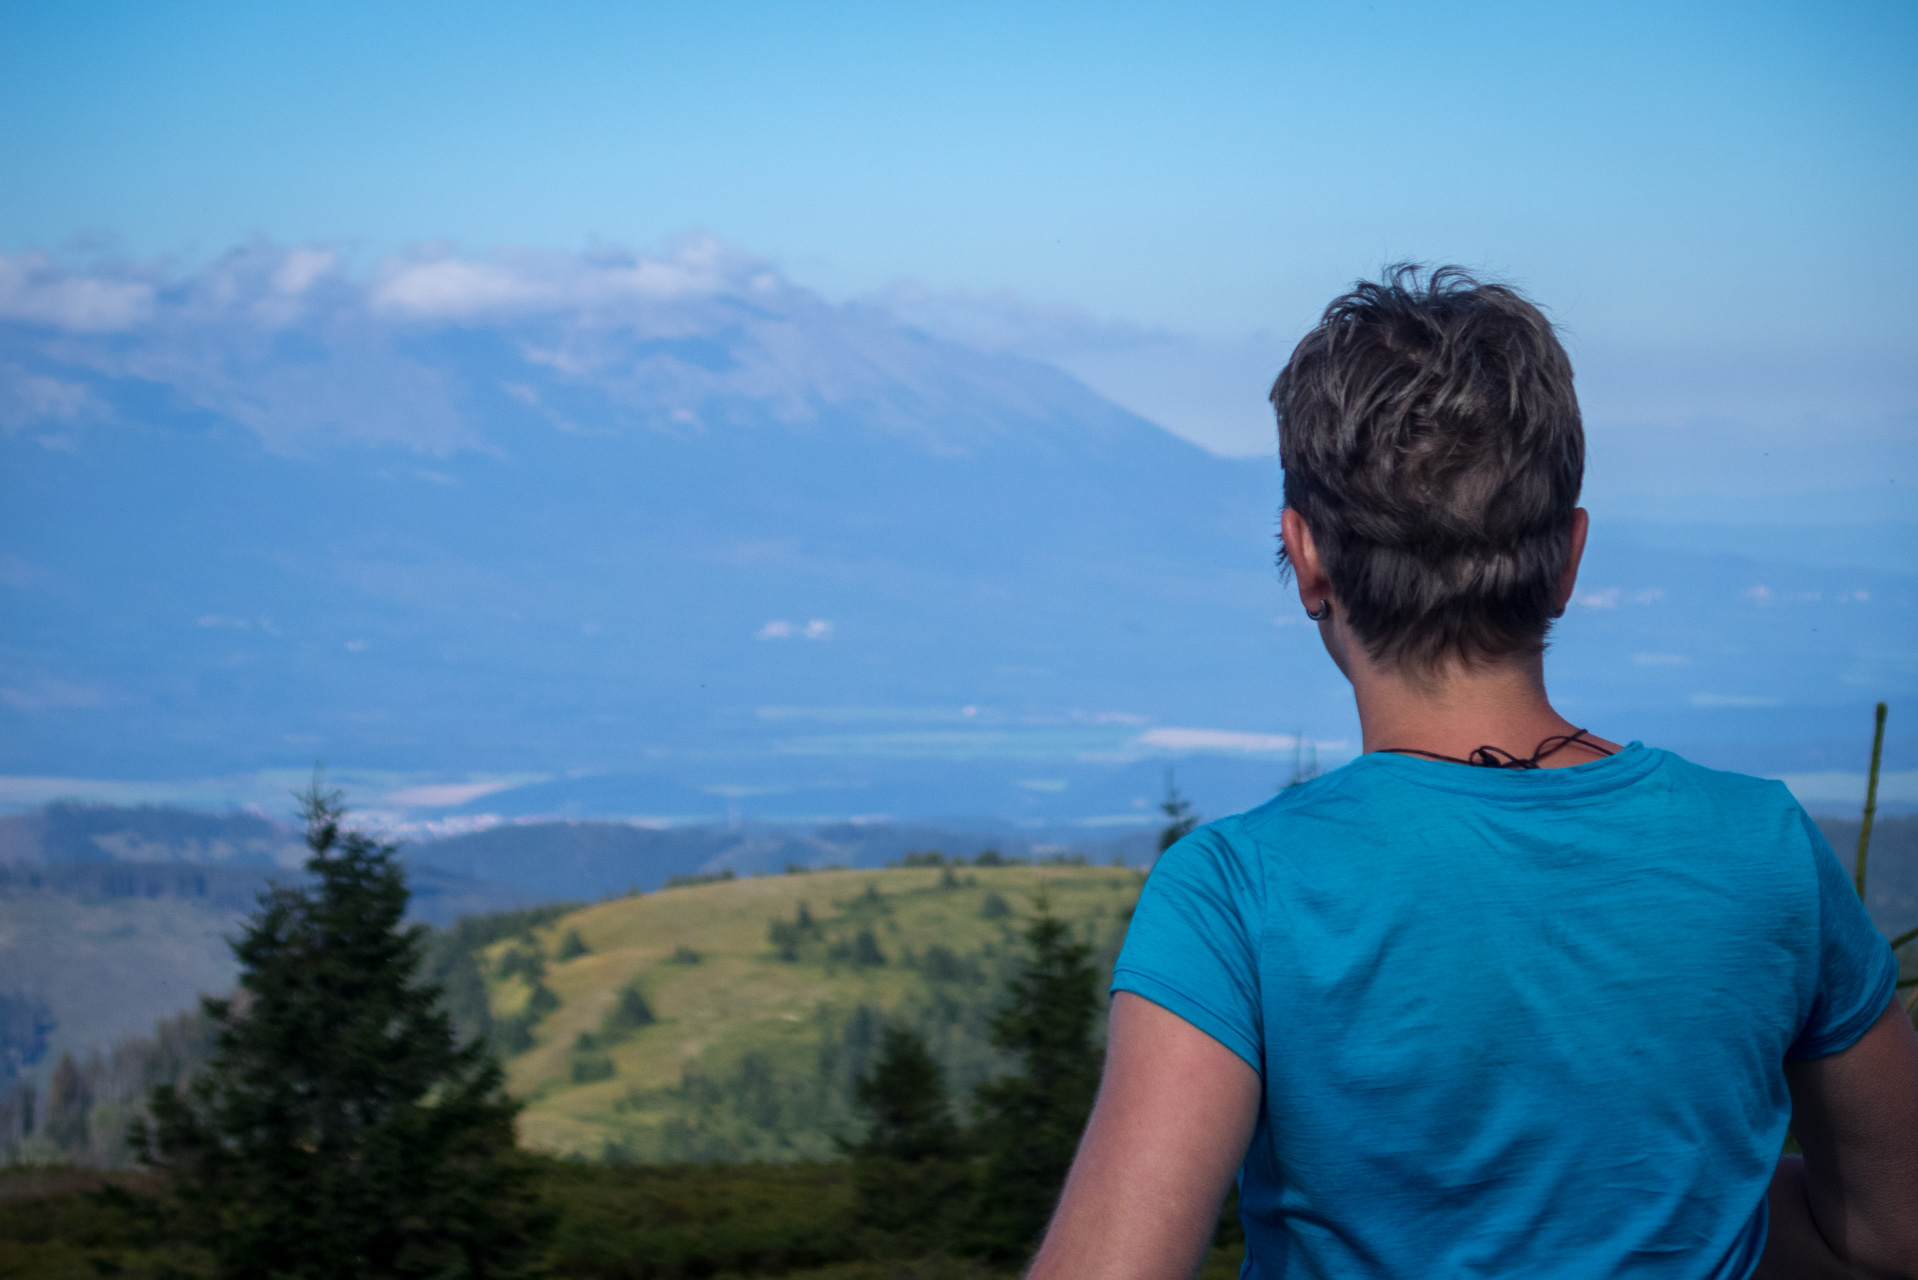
(1175, 1111)
(1855, 1114)
(1793, 1248)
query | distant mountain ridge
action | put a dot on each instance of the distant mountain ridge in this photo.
(606, 536)
(157, 851)
(82, 833)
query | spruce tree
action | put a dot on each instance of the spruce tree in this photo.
(341, 1129)
(904, 1100)
(1179, 817)
(1029, 1124)
(907, 1172)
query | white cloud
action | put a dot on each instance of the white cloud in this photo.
(1214, 740)
(34, 290)
(445, 795)
(45, 694)
(1764, 595)
(301, 268)
(1612, 597)
(464, 824)
(780, 629)
(1734, 700)
(28, 398)
(456, 288)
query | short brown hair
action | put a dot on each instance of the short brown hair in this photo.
(1431, 442)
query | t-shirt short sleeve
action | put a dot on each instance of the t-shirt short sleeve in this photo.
(1193, 944)
(1856, 970)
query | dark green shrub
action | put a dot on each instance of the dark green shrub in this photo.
(589, 1067)
(628, 1222)
(788, 935)
(698, 878)
(1029, 1123)
(630, 1014)
(523, 962)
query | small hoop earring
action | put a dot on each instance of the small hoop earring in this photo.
(1321, 613)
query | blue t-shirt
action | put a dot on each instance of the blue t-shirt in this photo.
(1512, 1023)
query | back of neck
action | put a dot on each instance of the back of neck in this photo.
(1460, 709)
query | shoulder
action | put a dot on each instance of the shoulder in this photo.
(1233, 854)
(1719, 782)
(1747, 834)
(1738, 797)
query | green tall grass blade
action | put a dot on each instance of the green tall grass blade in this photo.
(1871, 798)
(1903, 938)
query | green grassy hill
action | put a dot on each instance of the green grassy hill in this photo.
(726, 1021)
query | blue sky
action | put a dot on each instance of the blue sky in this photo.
(1715, 199)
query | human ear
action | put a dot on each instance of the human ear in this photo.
(1315, 589)
(1575, 551)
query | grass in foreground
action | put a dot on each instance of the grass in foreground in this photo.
(615, 1223)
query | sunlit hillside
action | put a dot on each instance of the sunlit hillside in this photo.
(727, 1020)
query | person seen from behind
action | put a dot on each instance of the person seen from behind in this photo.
(1501, 997)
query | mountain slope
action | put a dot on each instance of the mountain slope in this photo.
(372, 527)
(751, 1055)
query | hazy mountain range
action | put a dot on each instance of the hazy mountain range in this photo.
(672, 538)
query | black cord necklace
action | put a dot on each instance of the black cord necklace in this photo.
(1499, 758)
